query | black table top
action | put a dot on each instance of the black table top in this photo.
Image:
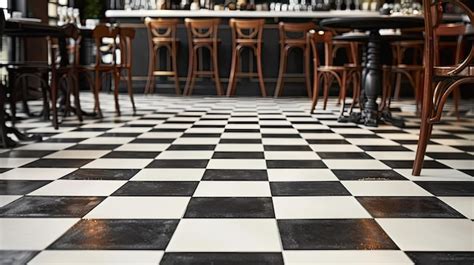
(387, 38)
(31, 29)
(371, 23)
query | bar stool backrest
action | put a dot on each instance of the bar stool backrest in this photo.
(244, 29)
(317, 37)
(294, 31)
(202, 28)
(161, 28)
(70, 56)
(126, 36)
(105, 43)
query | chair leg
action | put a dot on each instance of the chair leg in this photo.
(215, 65)
(343, 92)
(233, 72)
(307, 70)
(116, 76)
(315, 91)
(327, 83)
(77, 100)
(194, 71)
(281, 72)
(151, 68)
(96, 90)
(54, 103)
(130, 89)
(260, 73)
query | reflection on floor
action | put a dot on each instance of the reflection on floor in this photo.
(236, 181)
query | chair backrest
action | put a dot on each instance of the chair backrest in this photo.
(202, 28)
(433, 17)
(106, 43)
(161, 28)
(247, 29)
(294, 30)
(65, 50)
(449, 30)
(126, 36)
(317, 37)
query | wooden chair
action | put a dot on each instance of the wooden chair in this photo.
(126, 36)
(246, 34)
(327, 72)
(293, 36)
(439, 81)
(162, 34)
(202, 33)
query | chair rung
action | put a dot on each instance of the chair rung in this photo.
(247, 74)
(163, 73)
(204, 73)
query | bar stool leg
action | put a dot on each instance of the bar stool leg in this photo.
(215, 66)
(116, 74)
(151, 68)
(260, 72)
(327, 82)
(233, 72)
(281, 72)
(194, 71)
(96, 90)
(190, 72)
(315, 90)
(175, 69)
(307, 69)
(343, 92)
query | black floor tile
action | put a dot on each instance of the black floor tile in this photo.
(349, 174)
(408, 207)
(387, 148)
(409, 164)
(238, 155)
(131, 154)
(20, 187)
(16, 257)
(119, 135)
(441, 258)
(295, 164)
(344, 155)
(465, 148)
(308, 188)
(50, 206)
(230, 207)
(94, 147)
(328, 141)
(112, 234)
(184, 163)
(58, 163)
(221, 258)
(449, 155)
(469, 172)
(413, 142)
(196, 147)
(25, 153)
(242, 130)
(64, 140)
(333, 234)
(157, 188)
(152, 141)
(287, 148)
(102, 174)
(240, 141)
(201, 135)
(448, 188)
(278, 135)
(235, 174)
(356, 135)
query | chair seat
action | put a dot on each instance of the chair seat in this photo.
(442, 71)
(339, 68)
(295, 42)
(158, 40)
(204, 41)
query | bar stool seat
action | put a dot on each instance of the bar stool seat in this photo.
(162, 34)
(246, 34)
(293, 35)
(202, 33)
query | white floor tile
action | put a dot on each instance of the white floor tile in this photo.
(78, 154)
(239, 148)
(335, 148)
(241, 136)
(79, 188)
(233, 189)
(32, 233)
(46, 146)
(237, 164)
(143, 147)
(371, 141)
(283, 141)
(438, 174)
(7, 162)
(292, 155)
(464, 205)
(140, 208)
(160, 135)
(354, 164)
(321, 207)
(77, 135)
(129, 130)
(112, 163)
(6, 199)
(185, 155)
(36, 173)
(402, 155)
(107, 140)
(458, 164)
(340, 257)
(206, 235)
(192, 141)
(430, 234)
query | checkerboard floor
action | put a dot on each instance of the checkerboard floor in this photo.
(236, 181)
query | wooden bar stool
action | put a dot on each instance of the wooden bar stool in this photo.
(293, 35)
(162, 33)
(202, 33)
(246, 34)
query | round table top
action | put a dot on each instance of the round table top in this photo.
(387, 37)
(372, 23)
